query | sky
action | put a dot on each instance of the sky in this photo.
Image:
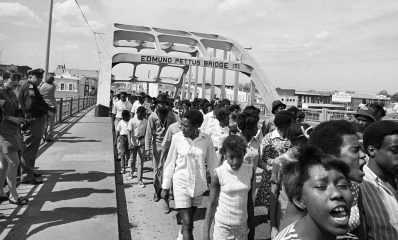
(300, 44)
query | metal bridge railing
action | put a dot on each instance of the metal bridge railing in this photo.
(67, 107)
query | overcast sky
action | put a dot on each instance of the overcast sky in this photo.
(301, 44)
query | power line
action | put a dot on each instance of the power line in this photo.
(103, 40)
(95, 38)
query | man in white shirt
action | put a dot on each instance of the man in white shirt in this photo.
(119, 106)
(137, 104)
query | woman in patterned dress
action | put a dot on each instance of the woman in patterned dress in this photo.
(273, 145)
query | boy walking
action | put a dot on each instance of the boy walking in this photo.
(136, 134)
(122, 139)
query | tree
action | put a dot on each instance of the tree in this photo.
(394, 97)
(383, 92)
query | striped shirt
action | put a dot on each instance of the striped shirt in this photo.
(381, 208)
(289, 233)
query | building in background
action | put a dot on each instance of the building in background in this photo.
(75, 82)
(288, 96)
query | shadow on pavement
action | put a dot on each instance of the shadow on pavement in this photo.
(92, 176)
(25, 224)
(75, 193)
(78, 141)
(65, 127)
(58, 216)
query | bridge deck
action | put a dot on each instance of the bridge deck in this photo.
(78, 197)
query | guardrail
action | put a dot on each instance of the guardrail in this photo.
(321, 115)
(67, 107)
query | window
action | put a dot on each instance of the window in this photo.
(70, 86)
(62, 86)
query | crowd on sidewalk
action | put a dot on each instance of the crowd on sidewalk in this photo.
(26, 110)
(336, 180)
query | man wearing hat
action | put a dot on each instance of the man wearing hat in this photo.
(35, 110)
(269, 126)
(158, 123)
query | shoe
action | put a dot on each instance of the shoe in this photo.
(33, 182)
(49, 140)
(36, 175)
(165, 207)
(3, 198)
(20, 201)
(141, 185)
(155, 197)
(178, 218)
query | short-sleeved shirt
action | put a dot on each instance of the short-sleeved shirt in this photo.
(173, 129)
(32, 102)
(119, 106)
(137, 130)
(209, 122)
(156, 130)
(218, 135)
(47, 90)
(135, 106)
(122, 127)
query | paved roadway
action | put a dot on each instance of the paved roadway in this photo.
(77, 199)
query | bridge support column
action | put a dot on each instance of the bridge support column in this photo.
(252, 93)
(204, 83)
(236, 87)
(213, 76)
(224, 78)
(196, 82)
(189, 83)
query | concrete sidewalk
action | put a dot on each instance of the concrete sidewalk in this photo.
(78, 197)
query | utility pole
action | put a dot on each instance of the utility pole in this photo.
(50, 17)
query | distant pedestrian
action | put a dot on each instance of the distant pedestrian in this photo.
(158, 123)
(136, 136)
(268, 125)
(230, 201)
(218, 133)
(122, 140)
(272, 146)
(119, 106)
(47, 90)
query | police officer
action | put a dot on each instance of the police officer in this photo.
(35, 110)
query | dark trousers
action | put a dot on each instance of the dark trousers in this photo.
(32, 137)
(137, 158)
